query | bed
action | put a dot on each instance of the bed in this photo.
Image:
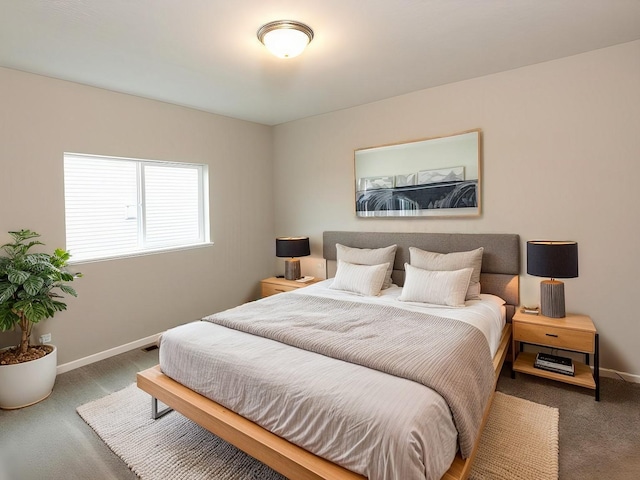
(331, 430)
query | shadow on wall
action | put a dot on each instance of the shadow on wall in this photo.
(614, 356)
(9, 339)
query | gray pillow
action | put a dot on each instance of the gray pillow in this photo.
(369, 256)
(451, 261)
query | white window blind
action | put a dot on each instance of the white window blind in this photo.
(118, 207)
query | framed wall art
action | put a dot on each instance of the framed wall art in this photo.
(424, 178)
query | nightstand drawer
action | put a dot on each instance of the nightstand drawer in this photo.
(269, 289)
(554, 337)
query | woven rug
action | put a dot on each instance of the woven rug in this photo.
(520, 442)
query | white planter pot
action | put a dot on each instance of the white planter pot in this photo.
(27, 383)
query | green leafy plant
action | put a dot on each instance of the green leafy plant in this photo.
(31, 284)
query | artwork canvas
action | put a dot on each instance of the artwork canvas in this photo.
(406, 180)
(374, 183)
(433, 177)
(441, 175)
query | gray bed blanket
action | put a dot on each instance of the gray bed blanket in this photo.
(449, 356)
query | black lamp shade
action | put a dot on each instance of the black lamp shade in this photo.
(552, 259)
(292, 247)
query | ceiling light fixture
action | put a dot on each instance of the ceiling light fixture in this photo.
(285, 38)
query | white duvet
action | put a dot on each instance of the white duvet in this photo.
(488, 314)
(373, 423)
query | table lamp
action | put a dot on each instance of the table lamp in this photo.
(554, 260)
(292, 247)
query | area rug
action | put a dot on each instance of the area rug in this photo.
(520, 442)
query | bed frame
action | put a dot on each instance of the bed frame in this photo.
(500, 270)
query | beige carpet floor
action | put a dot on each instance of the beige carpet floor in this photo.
(520, 442)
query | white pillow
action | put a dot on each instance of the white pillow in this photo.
(451, 261)
(369, 256)
(362, 279)
(438, 287)
(493, 298)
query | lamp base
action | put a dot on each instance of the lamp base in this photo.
(552, 299)
(292, 269)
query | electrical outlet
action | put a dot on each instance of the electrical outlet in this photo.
(46, 338)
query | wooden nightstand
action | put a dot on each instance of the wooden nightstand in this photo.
(272, 285)
(573, 333)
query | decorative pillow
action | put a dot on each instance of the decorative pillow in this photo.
(441, 287)
(369, 256)
(451, 261)
(493, 298)
(362, 279)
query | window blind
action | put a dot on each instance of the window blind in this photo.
(116, 207)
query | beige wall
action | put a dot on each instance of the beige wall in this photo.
(121, 301)
(561, 161)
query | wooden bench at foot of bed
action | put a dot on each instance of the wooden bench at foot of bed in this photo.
(281, 455)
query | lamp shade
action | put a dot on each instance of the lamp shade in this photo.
(292, 247)
(552, 259)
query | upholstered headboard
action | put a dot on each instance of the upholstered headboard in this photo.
(500, 260)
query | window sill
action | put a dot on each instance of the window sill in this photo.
(141, 253)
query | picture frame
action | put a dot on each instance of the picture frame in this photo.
(433, 177)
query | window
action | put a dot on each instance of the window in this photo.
(119, 206)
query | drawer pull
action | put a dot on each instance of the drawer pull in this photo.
(551, 335)
(278, 290)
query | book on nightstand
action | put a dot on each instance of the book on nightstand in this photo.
(305, 279)
(530, 310)
(554, 363)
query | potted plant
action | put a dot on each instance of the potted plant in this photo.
(30, 291)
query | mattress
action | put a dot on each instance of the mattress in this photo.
(378, 425)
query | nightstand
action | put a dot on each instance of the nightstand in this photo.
(573, 333)
(272, 285)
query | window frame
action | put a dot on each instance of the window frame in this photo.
(203, 207)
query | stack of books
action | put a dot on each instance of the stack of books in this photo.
(554, 363)
(530, 310)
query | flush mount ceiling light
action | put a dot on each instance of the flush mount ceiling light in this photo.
(285, 38)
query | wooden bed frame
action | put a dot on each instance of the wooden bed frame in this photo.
(293, 461)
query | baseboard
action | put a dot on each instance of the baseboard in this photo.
(81, 362)
(627, 377)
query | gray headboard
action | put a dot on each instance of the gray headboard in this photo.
(500, 260)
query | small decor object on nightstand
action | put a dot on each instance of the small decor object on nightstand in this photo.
(554, 260)
(530, 310)
(292, 247)
(305, 279)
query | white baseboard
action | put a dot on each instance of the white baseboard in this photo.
(627, 377)
(81, 362)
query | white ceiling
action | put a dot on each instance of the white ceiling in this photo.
(204, 53)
